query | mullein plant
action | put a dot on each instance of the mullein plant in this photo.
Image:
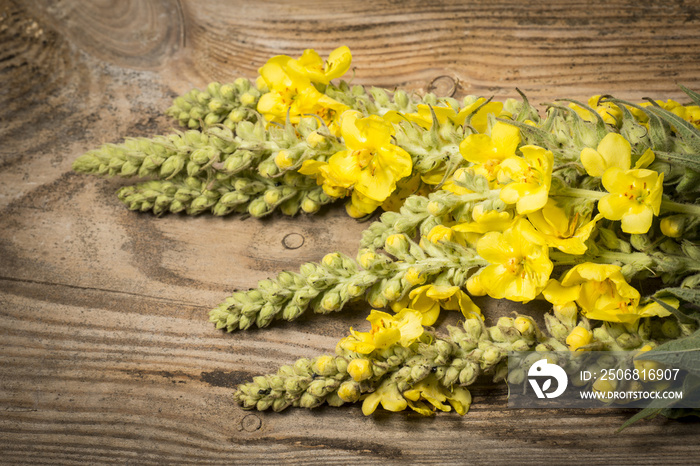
(481, 198)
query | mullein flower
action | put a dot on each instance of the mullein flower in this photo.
(312, 65)
(429, 299)
(612, 151)
(635, 197)
(430, 390)
(403, 328)
(292, 95)
(388, 395)
(487, 152)
(520, 265)
(568, 233)
(608, 111)
(600, 290)
(527, 179)
(371, 165)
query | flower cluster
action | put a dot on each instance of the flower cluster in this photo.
(481, 198)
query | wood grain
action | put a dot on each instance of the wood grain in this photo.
(107, 355)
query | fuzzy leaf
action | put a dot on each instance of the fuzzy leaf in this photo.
(688, 132)
(683, 353)
(692, 94)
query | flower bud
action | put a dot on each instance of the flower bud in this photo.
(308, 400)
(414, 276)
(578, 337)
(284, 159)
(360, 369)
(491, 356)
(397, 244)
(673, 226)
(524, 325)
(640, 242)
(258, 208)
(331, 301)
(451, 376)
(349, 391)
(272, 196)
(516, 376)
(420, 372)
(567, 314)
(315, 139)
(309, 206)
(324, 365)
(469, 374)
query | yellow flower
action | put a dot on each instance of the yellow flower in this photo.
(561, 231)
(528, 179)
(484, 222)
(388, 395)
(635, 197)
(428, 299)
(487, 152)
(520, 265)
(318, 71)
(431, 390)
(403, 329)
(424, 116)
(613, 151)
(292, 94)
(654, 309)
(321, 172)
(479, 120)
(579, 337)
(599, 289)
(371, 164)
(610, 112)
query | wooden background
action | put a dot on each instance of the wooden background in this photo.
(106, 352)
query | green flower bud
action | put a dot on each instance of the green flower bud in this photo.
(491, 356)
(268, 169)
(291, 312)
(308, 400)
(258, 208)
(302, 367)
(516, 376)
(280, 404)
(420, 372)
(469, 374)
(172, 166)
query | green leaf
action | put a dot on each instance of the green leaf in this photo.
(649, 412)
(692, 94)
(683, 353)
(688, 295)
(691, 386)
(688, 132)
(691, 161)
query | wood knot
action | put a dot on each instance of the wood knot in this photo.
(251, 423)
(293, 241)
(443, 86)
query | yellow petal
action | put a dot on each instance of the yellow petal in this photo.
(593, 162)
(505, 137)
(616, 151)
(338, 62)
(560, 295)
(478, 148)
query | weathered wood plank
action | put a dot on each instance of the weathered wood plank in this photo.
(107, 355)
